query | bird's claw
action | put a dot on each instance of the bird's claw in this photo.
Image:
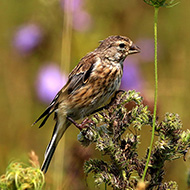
(79, 126)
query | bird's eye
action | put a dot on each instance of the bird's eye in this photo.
(121, 45)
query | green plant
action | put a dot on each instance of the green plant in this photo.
(156, 4)
(116, 133)
(18, 176)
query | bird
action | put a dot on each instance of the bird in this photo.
(90, 85)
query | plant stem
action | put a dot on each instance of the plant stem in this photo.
(156, 87)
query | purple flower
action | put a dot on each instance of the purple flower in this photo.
(81, 19)
(27, 38)
(147, 49)
(49, 81)
(131, 79)
(71, 5)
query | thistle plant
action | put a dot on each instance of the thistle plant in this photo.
(161, 3)
(116, 132)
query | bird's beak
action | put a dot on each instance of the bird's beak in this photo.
(134, 49)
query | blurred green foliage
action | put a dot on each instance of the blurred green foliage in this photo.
(18, 100)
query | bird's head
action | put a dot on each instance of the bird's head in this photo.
(116, 48)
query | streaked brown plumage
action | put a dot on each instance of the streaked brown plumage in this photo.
(90, 84)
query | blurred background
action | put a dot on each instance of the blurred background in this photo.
(40, 43)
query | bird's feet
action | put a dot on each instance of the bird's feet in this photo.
(79, 126)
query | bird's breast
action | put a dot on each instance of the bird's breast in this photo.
(104, 80)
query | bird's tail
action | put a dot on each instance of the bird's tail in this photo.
(59, 130)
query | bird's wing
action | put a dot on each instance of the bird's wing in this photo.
(81, 73)
(78, 77)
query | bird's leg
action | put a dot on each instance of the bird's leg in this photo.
(79, 126)
(108, 105)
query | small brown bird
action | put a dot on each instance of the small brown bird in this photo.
(91, 83)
